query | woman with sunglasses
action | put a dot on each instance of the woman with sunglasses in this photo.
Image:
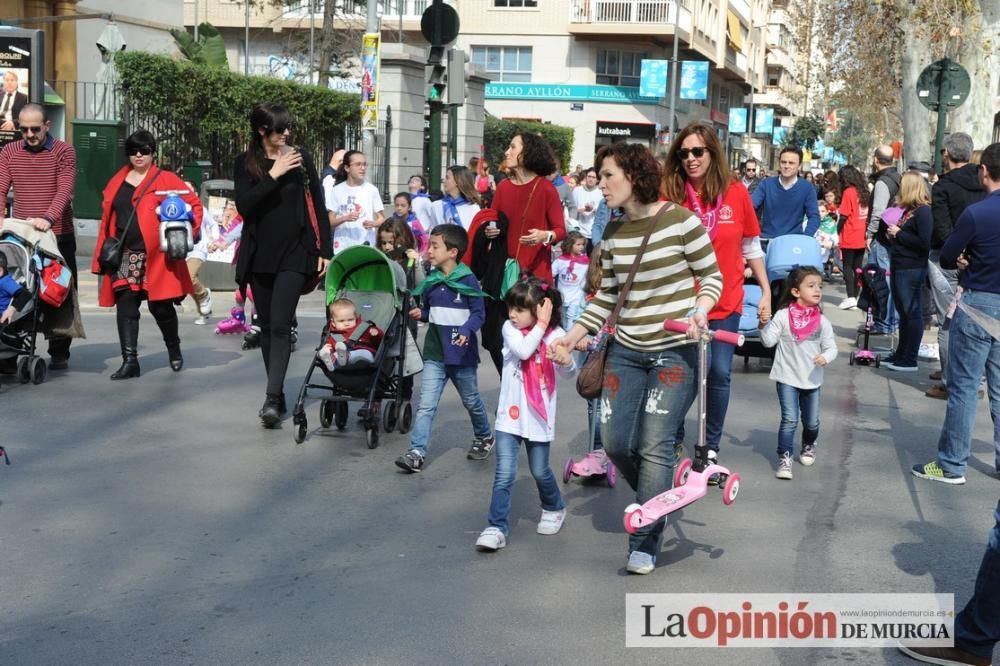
(146, 273)
(697, 177)
(280, 197)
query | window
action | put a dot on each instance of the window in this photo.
(504, 63)
(515, 4)
(619, 68)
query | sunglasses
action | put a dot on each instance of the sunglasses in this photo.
(697, 152)
(281, 129)
(141, 151)
(32, 130)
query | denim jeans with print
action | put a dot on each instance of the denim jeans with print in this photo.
(645, 398)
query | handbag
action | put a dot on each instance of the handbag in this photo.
(109, 259)
(590, 379)
(512, 269)
(312, 281)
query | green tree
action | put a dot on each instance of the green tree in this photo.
(806, 131)
(852, 139)
(209, 49)
(497, 134)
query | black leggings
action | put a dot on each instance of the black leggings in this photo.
(852, 261)
(127, 304)
(275, 296)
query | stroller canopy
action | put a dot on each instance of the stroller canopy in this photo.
(363, 268)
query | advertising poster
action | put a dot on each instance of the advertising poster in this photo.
(653, 78)
(694, 79)
(369, 80)
(763, 121)
(779, 135)
(737, 121)
(15, 66)
(220, 228)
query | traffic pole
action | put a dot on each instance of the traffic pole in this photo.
(434, 159)
(944, 92)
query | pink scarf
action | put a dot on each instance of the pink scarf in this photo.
(539, 374)
(576, 259)
(803, 320)
(708, 217)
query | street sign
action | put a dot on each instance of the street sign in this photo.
(445, 16)
(944, 76)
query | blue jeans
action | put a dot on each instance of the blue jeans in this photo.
(508, 447)
(720, 370)
(435, 375)
(793, 401)
(645, 398)
(595, 419)
(977, 627)
(971, 352)
(879, 255)
(907, 285)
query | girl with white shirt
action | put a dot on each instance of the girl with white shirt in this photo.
(461, 200)
(527, 409)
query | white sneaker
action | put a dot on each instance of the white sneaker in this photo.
(201, 321)
(640, 563)
(848, 303)
(784, 467)
(551, 521)
(205, 307)
(491, 539)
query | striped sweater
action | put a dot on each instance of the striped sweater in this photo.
(43, 182)
(678, 266)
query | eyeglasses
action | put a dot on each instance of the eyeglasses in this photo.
(697, 152)
(141, 151)
(32, 130)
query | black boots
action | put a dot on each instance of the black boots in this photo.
(176, 360)
(166, 318)
(270, 413)
(128, 336)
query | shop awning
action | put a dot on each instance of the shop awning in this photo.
(733, 31)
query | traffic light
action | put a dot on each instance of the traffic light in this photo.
(436, 75)
(456, 77)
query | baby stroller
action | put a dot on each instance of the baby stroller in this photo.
(377, 286)
(873, 298)
(783, 254)
(18, 339)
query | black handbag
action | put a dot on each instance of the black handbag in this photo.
(109, 259)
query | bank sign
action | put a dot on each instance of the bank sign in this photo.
(553, 92)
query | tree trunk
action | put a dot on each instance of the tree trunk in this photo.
(978, 54)
(918, 134)
(327, 45)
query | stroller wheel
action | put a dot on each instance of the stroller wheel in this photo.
(389, 415)
(299, 433)
(37, 369)
(340, 415)
(23, 370)
(372, 437)
(405, 419)
(325, 413)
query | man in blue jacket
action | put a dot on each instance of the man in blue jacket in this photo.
(787, 199)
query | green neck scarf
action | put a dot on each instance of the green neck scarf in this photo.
(451, 280)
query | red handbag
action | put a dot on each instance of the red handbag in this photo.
(313, 280)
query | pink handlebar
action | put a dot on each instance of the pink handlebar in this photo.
(735, 339)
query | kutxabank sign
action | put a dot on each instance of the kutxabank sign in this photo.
(548, 92)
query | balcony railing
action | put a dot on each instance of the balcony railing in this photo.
(386, 8)
(631, 11)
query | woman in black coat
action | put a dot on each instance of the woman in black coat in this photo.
(285, 244)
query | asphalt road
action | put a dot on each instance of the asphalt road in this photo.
(153, 521)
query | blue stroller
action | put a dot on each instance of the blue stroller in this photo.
(783, 254)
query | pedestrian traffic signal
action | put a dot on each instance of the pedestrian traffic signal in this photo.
(456, 77)
(437, 74)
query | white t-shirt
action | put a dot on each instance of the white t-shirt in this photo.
(341, 199)
(514, 415)
(585, 221)
(571, 278)
(421, 207)
(466, 212)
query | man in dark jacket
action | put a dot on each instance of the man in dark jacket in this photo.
(952, 194)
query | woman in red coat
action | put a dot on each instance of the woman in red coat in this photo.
(852, 238)
(531, 204)
(145, 273)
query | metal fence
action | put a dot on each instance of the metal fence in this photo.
(180, 143)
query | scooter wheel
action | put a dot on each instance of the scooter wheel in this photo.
(680, 476)
(612, 476)
(851, 360)
(633, 518)
(731, 489)
(567, 470)
(878, 361)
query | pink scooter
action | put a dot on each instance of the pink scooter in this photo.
(691, 477)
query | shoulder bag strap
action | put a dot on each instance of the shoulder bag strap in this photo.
(137, 200)
(524, 216)
(311, 211)
(623, 293)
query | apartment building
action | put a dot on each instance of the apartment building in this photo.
(574, 63)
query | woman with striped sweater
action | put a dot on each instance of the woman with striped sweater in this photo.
(650, 374)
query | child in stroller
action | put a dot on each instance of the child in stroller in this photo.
(351, 341)
(13, 296)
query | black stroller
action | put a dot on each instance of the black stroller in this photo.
(377, 286)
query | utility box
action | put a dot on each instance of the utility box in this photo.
(197, 172)
(100, 153)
